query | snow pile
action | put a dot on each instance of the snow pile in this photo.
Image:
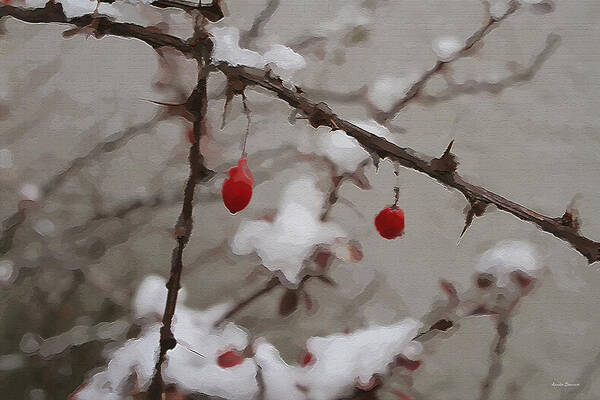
(283, 60)
(342, 150)
(386, 91)
(285, 243)
(77, 8)
(506, 258)
(446, 48)
(188, 370)
(338, 363)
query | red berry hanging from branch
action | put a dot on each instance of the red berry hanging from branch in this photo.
(237, 189)
(390, 221)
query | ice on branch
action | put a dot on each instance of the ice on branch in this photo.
(285, 243)
(283, 60)
(343, 150)
(192, 365)
(77, 8)
(446, 48)
(386, 91)
(338, 363)
(509, 257)
(374, 127)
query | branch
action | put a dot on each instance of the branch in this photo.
(53, 12)
(489, 25)
(113, 142)
(197, 104)
(321, 115)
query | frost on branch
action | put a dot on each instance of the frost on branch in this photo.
(446, 48)
(77, 8)
(192, 365)
(285, 243)
(283, 60)
(338, 363)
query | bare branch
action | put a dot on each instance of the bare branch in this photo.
(53, 12)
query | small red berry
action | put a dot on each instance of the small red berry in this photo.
(306, 357)
(229, 359)
(390, 222)
(237, 189)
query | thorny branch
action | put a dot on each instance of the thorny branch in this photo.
(321, 115)
(197, 105)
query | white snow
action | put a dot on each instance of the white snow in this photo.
(285, 243)
(343, 150)
(374, 127)
(189, 370)
(387, 90)
(506, 257)
(283, 60)
(446, 48)
(339, 361)
(77, 8)
(31, 192)
(227, 48)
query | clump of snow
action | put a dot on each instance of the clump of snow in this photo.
(339, 362)
(227, 48)
(507, 257)
(191, 365)
(30, 192)
(499, 8)
(446, 48)
(283, 60)
(77, 8)
(151, 296)
(343, 150)
(285, 243)
(6, 270)
(387, 90)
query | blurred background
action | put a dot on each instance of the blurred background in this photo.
(91, 178)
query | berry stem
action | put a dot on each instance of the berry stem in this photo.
(247, 112)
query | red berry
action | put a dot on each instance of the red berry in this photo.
(306, 357)
(237, 189)
(390, 222)
(229, 359)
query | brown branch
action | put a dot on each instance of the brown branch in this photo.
(414, 90)
(53, 12)
(321, 115)
(197, 105)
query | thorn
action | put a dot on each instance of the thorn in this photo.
(447, 162)
(475, 208)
